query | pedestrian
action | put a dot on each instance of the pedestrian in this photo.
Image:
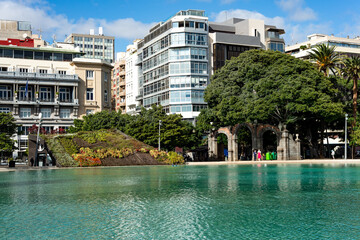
(32, 162)
(259, 155)
(333, 154)
(254, 153)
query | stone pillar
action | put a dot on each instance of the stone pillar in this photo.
(230, 149)
(235, 148)
(283, 148)
(212, 145)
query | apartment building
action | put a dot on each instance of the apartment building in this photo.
(38, 80)
(94, 85)
(132, 77)
(174, 66)
(118, 84)
(345, 46)
(230, 38)
(95, 46)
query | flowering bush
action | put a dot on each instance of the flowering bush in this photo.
(174, 158)
(104, 153)
(158, 155)
(87, 161)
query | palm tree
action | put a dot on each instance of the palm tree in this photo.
(325, 58)
(351, 71)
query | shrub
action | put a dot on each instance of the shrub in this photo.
(174, 158)
(69, 145)
(63, 159)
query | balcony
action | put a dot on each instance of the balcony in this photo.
(47, 100)
(138, 97)
(6, 98)
(38, 76)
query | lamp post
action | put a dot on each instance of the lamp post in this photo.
(37, 141)
(346, 118)
(159, 133)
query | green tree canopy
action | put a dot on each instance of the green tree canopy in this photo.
(270, 87)
(7, 129)
(175, 132)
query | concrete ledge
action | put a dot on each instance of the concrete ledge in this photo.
(307, 161)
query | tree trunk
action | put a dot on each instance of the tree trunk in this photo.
(355, 96)
(322, 140)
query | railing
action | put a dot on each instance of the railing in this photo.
(6, 98)
(46, 99)
(27, 99)
(66, 100)
(39, 75)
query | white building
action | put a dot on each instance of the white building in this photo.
(345, 46)
(132, 77)
(173, 59)
(38, 80)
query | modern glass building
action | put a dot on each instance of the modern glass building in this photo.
(173, 61)
(94, 46)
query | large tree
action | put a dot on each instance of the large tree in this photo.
(7, 129)
(351, 71)
(271, 87)
(326, 59)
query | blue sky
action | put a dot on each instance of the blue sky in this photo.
(128, 20)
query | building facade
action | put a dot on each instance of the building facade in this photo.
(118, 85)
(345, 46)
(132, 77)
(230, 38)
(173, 63)
(38, 80)
(94, 85)
(94, 46)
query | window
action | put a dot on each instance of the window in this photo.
(3, 69)
(45, 94)
(64, 94)
(43, 71)
(47, 56)
(105, 95)
(62, 72)
(5, 92)
(22, 93)
(89, 111)
(23, 70)
(90, 94)
(28, 55)
(39, 55)
(18, 54)
(105, 76)
(89, 74)
(4, 110)
(8, 53)
(25, 112)
(64, 113)
(46, 112)
(23, 130)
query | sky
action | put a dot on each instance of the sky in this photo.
(127, 20)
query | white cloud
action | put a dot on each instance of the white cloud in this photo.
(42, 16)
(298, 33)
(296, 10)
(245, 14)
(227, 1)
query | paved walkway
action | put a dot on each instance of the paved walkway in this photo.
(306, 161)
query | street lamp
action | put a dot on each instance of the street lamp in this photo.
(346, 118)
(37, 140)
(159, 133)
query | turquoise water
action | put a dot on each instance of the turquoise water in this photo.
(184, 202)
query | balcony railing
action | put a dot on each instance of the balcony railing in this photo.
(38, 75)
(66, 100)
(6, 98)
(46, 99)
(27, 99)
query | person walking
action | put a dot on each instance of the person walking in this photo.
(259, 155)
(333, 154)
(254, 153)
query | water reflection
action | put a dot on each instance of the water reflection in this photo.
(192, 202)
